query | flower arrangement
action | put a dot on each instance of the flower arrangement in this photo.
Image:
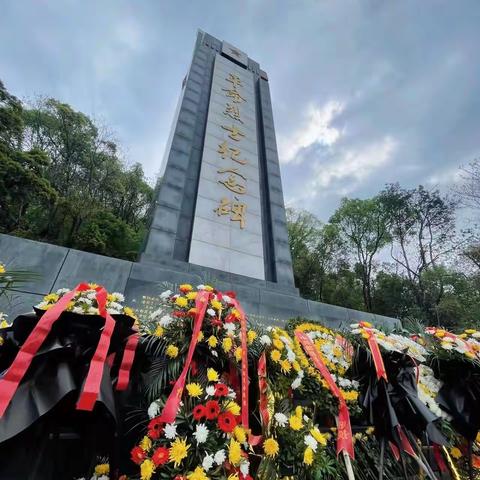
(85, 302)
(209, 438)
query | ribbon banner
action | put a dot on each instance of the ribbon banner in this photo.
(244, 376)
(375, 349)
(344, 437)
(172, 404)
(89, 394)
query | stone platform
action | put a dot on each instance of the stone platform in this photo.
(142, 282)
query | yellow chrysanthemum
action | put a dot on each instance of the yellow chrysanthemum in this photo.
(308, 456)
(216, 304)
(456, 453)
(186, 287)
(172, 351)
(233, 407)
(197, 474)
(295, 422)
(370, 430)
(208, 288)
(146, 444)
(182, 302)
(200, 336)
(234, 452)
(270, 447)
(147, 469)
(212, 375)
(129, 312)
(191, 295)
(470, 331)
(240, 434)
(299, 411)
(350, 396)
(102, 469)
(2, 268)
(233, 476)
(319, 436)
(51, 297)
(227, 344)
(194, 390)
(178, 451)
(93, 286)
(212, 341)
(296, 366)
(158, 331)
(275, 355)
(236, 313)
(277, 343)
(251, 336)
(238, 354)
(286, 366)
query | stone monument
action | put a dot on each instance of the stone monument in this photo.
(219, 214)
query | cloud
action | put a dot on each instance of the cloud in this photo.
(316, 128)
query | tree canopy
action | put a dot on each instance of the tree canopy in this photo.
(62, 180)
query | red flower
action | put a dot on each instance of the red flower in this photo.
(155, 428)
(216, 322)
(221, 390)
(160, 456)
(137, 455)
(199, 412)
(178, 313)
(227, 422)
(212, 409)
(230, 294)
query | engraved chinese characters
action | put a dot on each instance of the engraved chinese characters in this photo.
(227, 230)
(235, 179)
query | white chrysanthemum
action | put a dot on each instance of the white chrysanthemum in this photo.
(201, 433)
(310, 442)
(62, 291)
(447, 346)
(220, 457)
(209, 391)
(166, 294)
(118, 296)
(354, 325)
(79, 310)
(42, 305)
(229, 327)
(265, 340)
(115, 305)
(207, 462)
(231, 393)
(211, 312)
(214, 353)
(296, 383)
(170, 431)
(227, 299)
(165, 321)
(93, 311)
(291, 357)
(244, 467)
(281, 419)
(92, 295)
(153, 410)
(201, 287)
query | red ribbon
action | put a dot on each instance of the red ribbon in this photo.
(344, 437)
(127, 362)
(172, 405)
(439, 459)
(244, 375)
(375, 349)
(91, 387)
(14, 375)
(262, 384)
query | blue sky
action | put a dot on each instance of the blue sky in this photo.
(364, 92)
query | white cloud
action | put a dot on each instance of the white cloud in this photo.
(315, 129)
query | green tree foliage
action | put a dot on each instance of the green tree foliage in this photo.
(62, 180)
(433, 276)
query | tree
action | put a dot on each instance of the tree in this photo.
(422, 227)
(62, 180)
(364, 226)
(468, 189)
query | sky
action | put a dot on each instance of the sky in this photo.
(364, 92)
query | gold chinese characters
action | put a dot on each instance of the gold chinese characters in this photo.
(234, 180)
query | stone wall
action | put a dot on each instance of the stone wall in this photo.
(58, 267)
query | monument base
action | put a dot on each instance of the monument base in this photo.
(141, 282)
